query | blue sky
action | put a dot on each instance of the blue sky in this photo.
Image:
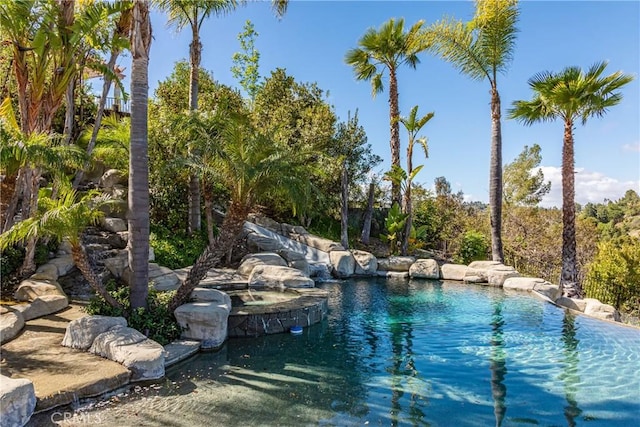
(310, 42)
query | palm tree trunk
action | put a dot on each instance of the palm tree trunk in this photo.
(368, 216)
(138, 159)
(495, 178)
(230, 232)
(82, 262)
(344, 211)
(10, 213)
(208, 209)
(69, 115)
(406, 204)
(106, 86)
(195, 50)
(569, 275)
(29, 208)
(394, 114)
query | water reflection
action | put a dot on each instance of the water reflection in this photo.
(497, 364)
(570, 376)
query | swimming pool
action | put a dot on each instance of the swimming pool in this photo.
(406, 353)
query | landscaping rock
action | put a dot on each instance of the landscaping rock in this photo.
(396, 263)
(211, 295)
(425, 269)
(323, 244)
(117, 264)
(453, 272)
(111, 178)
(289, 230)
(42, 306)
(113, 225)
(393, 274)
(319, 270)
(597, 309)
(11, 323)
(530, 284)
(497, 275)
(484, 265)
(301, 265)
(204, 321)
(64, 264)
(17, 401)
(46, 271)
(572, 303)
(475, 275)
(262, 243)
(162, 278)
(82, 332)
(343, 263)
(273, 276)
(295, 260)
(142, 356)
(248, 262)
(64, 248)
(31, 289)
(366, 263)
(267, 223)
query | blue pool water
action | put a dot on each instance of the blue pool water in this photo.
(410, 353)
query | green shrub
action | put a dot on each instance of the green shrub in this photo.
(156, 322)
(474, 247)
(614, 275)
(176, 249)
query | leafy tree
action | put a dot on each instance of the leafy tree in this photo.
(521, 186)
(481, 49)
(474, 247)
(246, 63)
(386, 49)
(570, 95)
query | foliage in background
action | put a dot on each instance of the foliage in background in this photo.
(473, 247)
(521, 186)
(156, 321)
(176, 249)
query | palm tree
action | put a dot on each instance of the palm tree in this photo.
(138, 214)
(252, 167)
(482, 49)
(413, 125)
(192, 14)
(570, 95)
(387, 49)
(65, 218)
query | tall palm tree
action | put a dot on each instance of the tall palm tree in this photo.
(192, 14)
(386, 49)
(65, 218)
(251, 166)
(570, 95)
(482, 49)
(138, 214)
(413, 124)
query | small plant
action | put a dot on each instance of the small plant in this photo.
(473, 247)
(156, 322)
(176, 249)
(394, 224)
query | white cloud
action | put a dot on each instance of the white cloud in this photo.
(590, 186)
(632, 147)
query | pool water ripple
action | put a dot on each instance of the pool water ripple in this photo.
(409, 353)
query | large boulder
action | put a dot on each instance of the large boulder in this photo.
(162, 278)
(453, 272)
(142, 356)
(497, 275)
(11, 323)
(249, 261)
(204, 321)
(64, 264)
(117, 264)
(114, 225)
(295, 260)
(290, 230)
(484, 265)
(262, 243)
(111, 178)
(43, 306)
(46, 271)
(597, 309)
(274, 276)
(530, 284)
(425, 269)
(266, 222)
(17, 401)
(83, 331)
(211, 295)
(366, 263)
(396, 263)
(321, 243)
(343, 263)
(393, 275)
(31, 289)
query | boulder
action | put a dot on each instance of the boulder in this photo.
(46, 271)
(289, 255)
(162, 278)
(497, 275)
(475, 275)
(43, 306)
(17, 401)
(572, 303)
(319, 270)
(321, 243)
(484, 265)
(597, 309)
(211, 295)
(204, 321)
(114, 225)
(530, 284)
(289, 230)
(274, 276)
(425, 269)
(366, 263)
(396, 263)
(64, 248)
(82, 332)
(11, 323)
(267, 223)
(111, 178)
(343, 263)
(117, 264)
(393, 274)
(248, 262)
(301, 265)
(262, 243)
(31, 289)
(142, 356)
(453, 272)
(64, 264)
